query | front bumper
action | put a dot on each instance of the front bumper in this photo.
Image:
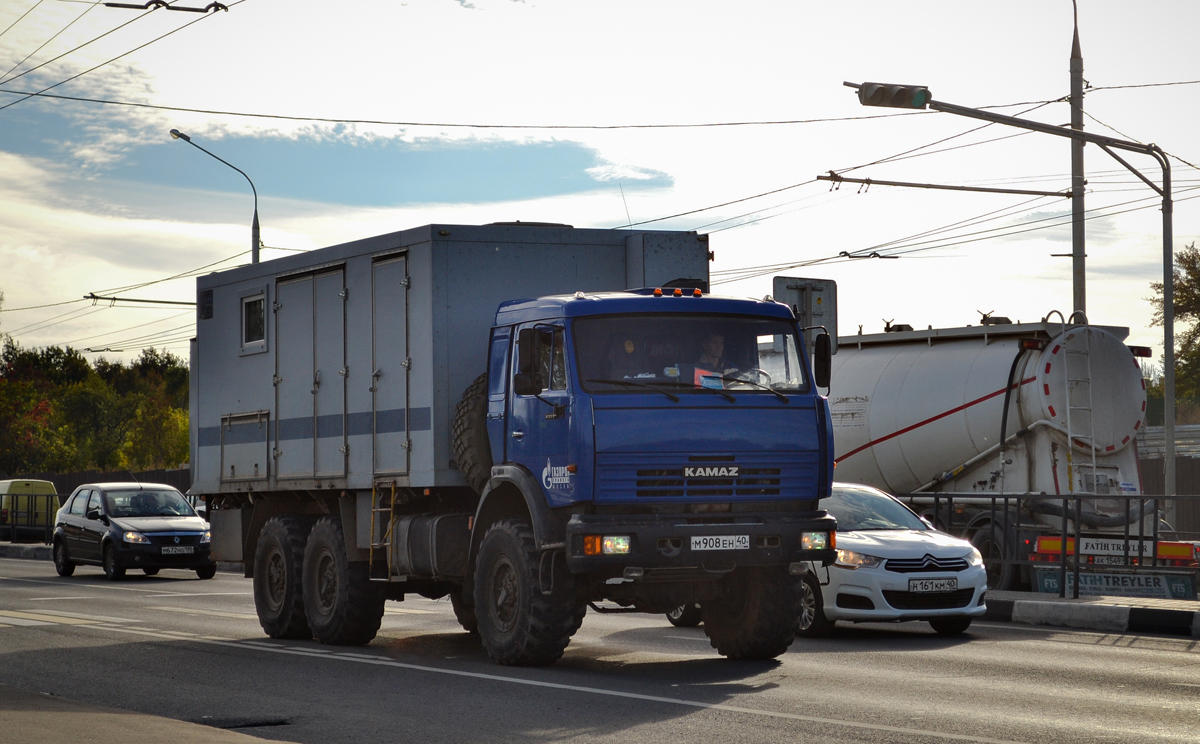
(660, 545)
(135, 555)
(847, 594)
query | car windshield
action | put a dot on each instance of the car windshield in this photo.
(649, 353)
(146, 504)
(866, 509)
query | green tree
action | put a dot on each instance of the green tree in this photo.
(1186, 286)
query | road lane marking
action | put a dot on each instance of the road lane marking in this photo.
(62, 582)
(397, 611)
(385, 661)
(47, 599)
(213, 613)
(81, 616)
(206, 594)
(12, 616)
(1184, 684)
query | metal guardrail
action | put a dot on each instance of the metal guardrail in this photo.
(28, 518)
(1004, 528)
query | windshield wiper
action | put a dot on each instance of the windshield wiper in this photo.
(692, 386)
(635, 383)
(741, 381)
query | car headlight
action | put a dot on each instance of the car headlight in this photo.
(975, 558)
(206, 537)
(135, 537)
(852, 560)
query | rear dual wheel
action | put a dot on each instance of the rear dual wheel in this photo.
(342, 606)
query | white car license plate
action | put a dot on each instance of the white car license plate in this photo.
(182, 549)
(923, 586)
(720, 542)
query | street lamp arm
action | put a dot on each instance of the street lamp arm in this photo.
(226, 162)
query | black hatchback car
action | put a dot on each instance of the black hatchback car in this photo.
(131, 525)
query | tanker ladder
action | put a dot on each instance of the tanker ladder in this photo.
(1075, 399)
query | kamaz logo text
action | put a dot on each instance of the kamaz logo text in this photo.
(730, 471)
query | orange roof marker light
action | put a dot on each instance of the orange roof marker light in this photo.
(696, 292)
(658, 291)
(678, 292)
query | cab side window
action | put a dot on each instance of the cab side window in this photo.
(79, 502)
(93, 503)
(554, 360)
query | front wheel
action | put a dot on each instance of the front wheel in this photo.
(113, 571)
(519, 624)
(463, 612)
(685, 615)
(813, 623)
(756, 615)
(62, 562)
(341, 604)
(950, 626)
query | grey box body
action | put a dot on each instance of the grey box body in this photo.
(369, 345)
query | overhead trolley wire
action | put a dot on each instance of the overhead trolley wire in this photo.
(62, 30)
(119, 56)
(35, 7)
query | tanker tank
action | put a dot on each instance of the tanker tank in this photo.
(924, 412)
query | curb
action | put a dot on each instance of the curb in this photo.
(1114, 618)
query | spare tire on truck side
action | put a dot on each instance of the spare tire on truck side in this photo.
(469, 436)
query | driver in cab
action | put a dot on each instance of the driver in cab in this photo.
(712, 364)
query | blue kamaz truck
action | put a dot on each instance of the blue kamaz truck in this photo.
(528, 419)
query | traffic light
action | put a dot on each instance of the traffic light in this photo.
(894, 96)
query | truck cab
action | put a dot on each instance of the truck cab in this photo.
(670, 445)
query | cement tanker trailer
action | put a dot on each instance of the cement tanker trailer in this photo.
(1028, 411)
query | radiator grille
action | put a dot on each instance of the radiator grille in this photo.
(930, 601)
(673, 482)
(926, 564)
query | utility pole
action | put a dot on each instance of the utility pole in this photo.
(1078, 247)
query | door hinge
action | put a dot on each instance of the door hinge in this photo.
(344, 293)
(407, 363)
(278, 453)
(276, 307)
(407, 282)
(344, 371)
(406, 444)
(344, 449)
(276, 380)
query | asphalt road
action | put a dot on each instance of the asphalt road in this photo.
(176, 646)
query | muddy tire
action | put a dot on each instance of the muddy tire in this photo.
(950, 626)
(812, 620)
(469, 437)
(463, 612)
(685, 615)
(757, 616)
(278, 597)
(62, 562)
(518, 624)
(342, 606)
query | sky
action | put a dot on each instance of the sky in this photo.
(364, 117)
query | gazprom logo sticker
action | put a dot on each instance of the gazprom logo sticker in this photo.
(556, 477)
(725, 471)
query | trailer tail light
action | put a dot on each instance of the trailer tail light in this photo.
(1143, 352)
(1031, 344)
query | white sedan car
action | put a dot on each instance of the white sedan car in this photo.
(891, 566)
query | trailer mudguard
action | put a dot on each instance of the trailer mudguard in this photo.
(549, 529)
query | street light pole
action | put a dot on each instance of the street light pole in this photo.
(254, 238)
(919, 97)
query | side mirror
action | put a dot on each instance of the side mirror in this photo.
(93, 514)
(822, 360)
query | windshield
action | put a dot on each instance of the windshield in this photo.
(649, 353)
(147, 504)
(866, 509)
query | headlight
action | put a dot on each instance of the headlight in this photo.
(851, 560)
(135, 537)
(614, 545)
(975, 558)
(815, 541)
(206, 537)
